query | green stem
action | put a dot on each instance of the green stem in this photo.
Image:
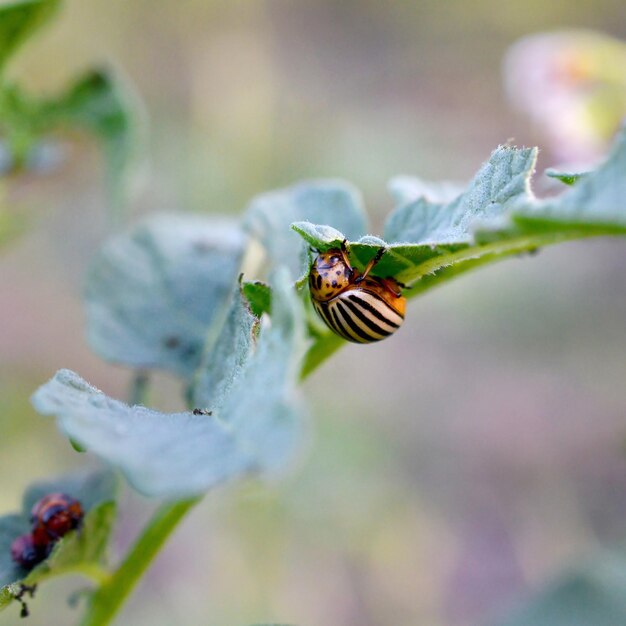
(108, 598)
(94, 571)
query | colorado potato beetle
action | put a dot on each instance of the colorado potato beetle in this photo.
(54, 516)
(356, 306)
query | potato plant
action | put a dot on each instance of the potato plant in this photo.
(184, 294)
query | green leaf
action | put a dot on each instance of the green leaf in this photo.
(497, 216)
(11, 527)
(324, 238)
(269, 216)
(320, 237)
(399, 259)
(259, 297)
(227, 355)
(568, 178)
(18, 21)
(423, 232)
(323, 347)
(152, 293)
(253, 427)
(82, 551)
(505, 177)
(101, 103)
(598, 199)
(23, 122)
(405, 189)
(592, 594)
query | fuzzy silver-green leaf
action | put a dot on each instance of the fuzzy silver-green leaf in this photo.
(254, 425)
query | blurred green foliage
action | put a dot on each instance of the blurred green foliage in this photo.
(97, 102)
(248, 383)
(18, 21)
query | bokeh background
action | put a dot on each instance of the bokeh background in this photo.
(456, 467)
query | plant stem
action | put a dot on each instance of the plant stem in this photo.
(96, 572)
(108, 598)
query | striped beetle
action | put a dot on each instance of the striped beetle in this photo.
(356, 306)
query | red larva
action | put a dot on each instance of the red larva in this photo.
(52, 517)
(25, 553)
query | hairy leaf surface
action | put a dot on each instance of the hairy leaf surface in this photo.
(496, 216)
(325, 202)
(255, 412)
(568, 178)
(406, 189)
(430, 241)
(227, 355)
(152, 294)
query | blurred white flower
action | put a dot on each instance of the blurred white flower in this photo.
(572, 84)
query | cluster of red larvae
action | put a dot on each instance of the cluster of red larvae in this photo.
(51, 518)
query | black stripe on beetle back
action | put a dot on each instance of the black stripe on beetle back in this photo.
(368, 321)
(353, 325)
(325, 313)
(337, 326)
(375, 312)
(322, 311)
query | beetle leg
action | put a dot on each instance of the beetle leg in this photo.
(25, 589)
(393, 286)
(345, 251)
(368, 268)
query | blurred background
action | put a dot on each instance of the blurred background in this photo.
(473, 455)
